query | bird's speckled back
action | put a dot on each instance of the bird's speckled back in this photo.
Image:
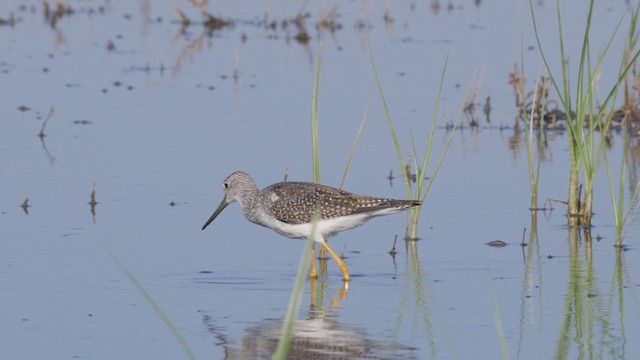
(298, 202)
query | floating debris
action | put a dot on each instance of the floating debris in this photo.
(302, 37)
(11, 21)
(622, 247)
(497, 243)
(487, 110)
(213, 23)
(25, 206)
(93, 203)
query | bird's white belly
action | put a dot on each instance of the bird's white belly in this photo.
(321, 228)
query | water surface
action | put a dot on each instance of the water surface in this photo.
(156, 115)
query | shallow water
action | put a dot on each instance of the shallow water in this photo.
(158, 119)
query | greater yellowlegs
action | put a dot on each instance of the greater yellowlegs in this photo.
(296, 209)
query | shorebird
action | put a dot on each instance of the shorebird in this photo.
(305, 210)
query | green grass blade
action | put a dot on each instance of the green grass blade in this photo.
(394, 136)
(434, 118)
(314, 119)
(633, 205)
(620, 210)
(499, 327)
(612, 191)
(415, 158)
(284, 343)
(590, 161)
(544, 58)
(353, 147)
(423, 194)
(154, 305)
(532, 175)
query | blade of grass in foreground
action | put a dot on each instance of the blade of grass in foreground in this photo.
(154, 305)
(284, 343)
(499, 327)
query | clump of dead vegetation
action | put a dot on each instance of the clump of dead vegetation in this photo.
(547, 114)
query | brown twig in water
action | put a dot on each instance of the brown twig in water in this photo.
(44, 124)
(41, 135)
(93, 203)
(25, 206)
(393, 251)
(328, 20)
(184, 19)
(487, 110)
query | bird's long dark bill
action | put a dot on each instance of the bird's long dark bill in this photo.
(221, 207)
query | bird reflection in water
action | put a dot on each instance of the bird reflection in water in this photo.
(318, 336)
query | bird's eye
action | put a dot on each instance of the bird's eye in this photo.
(225, 185)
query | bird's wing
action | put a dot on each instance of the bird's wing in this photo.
(297, 203)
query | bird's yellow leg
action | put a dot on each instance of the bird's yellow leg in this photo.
(312, 292)
(312, 272)
(341, 264)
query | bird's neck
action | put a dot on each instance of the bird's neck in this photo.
(249, 200)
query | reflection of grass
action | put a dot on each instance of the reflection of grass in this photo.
(530, 255)
(584, 118)
(415, 288)
(583, 313)
(617, 291)
(421, 185)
